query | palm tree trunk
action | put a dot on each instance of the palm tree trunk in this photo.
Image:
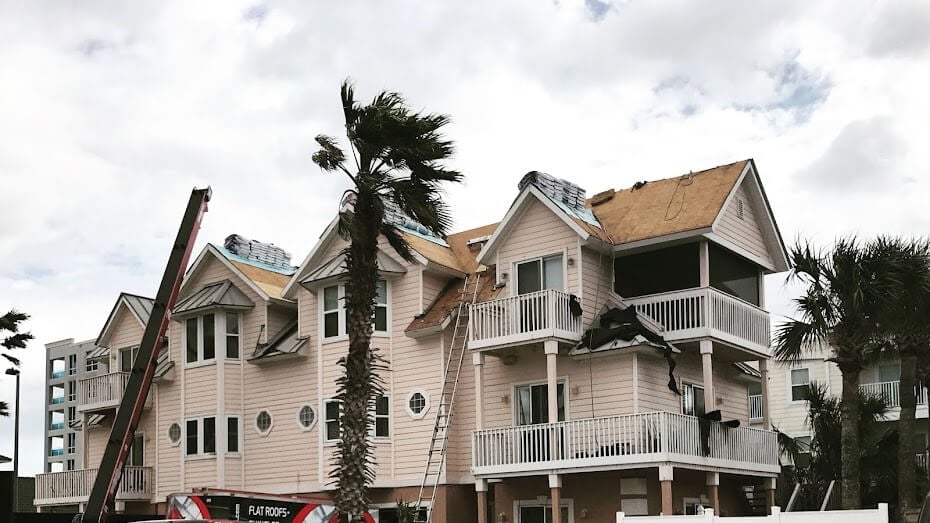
(849, 441)
(906, 430)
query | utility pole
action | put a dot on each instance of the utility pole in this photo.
(15, 372)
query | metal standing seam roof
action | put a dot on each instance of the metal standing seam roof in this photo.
(285, 342)
(337, 265)
(92, 421)
(222, 293)
(140, 305)
(162, 363)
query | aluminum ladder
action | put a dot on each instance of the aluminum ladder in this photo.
(450, 380)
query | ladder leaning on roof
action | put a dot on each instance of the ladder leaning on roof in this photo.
(450, 380)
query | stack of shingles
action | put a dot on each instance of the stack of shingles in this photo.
(254, 250)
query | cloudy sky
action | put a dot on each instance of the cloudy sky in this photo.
(111, 111)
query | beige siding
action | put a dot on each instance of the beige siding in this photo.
(538, 232)
(96, 441)
(199, 473)
(596, 279)
(278, 318)
(744, 231)
(433, 284)
(790, 416)
(168, 467)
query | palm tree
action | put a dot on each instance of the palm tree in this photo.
(844, 287)
(906, 329)
(397, 163)
(15, 340)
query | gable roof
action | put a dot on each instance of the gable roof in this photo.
(337, 266)
(139, 306)
(266, 281)
(219, 294)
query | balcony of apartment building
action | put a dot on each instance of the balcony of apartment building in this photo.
(73, 486)
(56, 420)
(883, 380)
(102, 392)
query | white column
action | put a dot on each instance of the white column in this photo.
(477, 361)
(713, 490)
(704, 263)
(710, 398)
(552, 376)
(764, 371)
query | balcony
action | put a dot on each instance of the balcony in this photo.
(58, 374)
(101, 392)
(56, 452)
(891, 393)
(526, 318)
(755, 408)
(59, 399)
(56, 426)
(72, 487)
(647, 439)
(707, 312)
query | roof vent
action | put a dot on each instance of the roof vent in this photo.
(254, 250)
(559, 190)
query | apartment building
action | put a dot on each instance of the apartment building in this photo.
(65, 366)
(605, 329)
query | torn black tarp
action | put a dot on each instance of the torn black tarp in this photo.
(625, 325)
(704, 423)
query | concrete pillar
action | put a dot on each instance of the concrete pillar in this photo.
(770, 498)
(477, 360)
(704, 264)
(713, 490)
(481, 487)
(666, 475)
(555, 488)
(764, 371)
(552, 378)
(710, 397)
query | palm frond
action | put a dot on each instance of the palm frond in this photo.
(395, 240)
(330, 157)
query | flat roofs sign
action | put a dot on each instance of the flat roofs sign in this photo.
(255, 509)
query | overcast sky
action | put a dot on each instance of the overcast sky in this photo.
(111, 111)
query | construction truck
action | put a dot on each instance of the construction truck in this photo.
(234, 505)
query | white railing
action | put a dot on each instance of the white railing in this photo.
(57, 488)
(890, 392)
(102, 391)
(705, 311)
(622, 440)
(526, 317)
(755, 407)
(921, 460)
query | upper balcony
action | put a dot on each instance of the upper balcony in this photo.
(73, 487)
(102, 392)
(647, 439)
(707, 312)
(525, 318)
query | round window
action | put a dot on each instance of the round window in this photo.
(305, 417)
(417, 403)
(174, 433)
(263, 422)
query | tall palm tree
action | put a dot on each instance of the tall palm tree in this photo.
(10, 322)
(905, 325)
(397, 160)
(844, 287)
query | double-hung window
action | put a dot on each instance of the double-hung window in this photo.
(91, 365)
(800, 382)
(232, 335)
(201, 436)
(533, 403)
(381, 417)
(334, 313)
(232, 433)
(72, 364)
(71, 443)
(72, 390)
(333, 411)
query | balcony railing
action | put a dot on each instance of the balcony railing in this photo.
(706, 311)
(890, 392)
(56, 426)
(523, 318)
(56, 452)
(635, 439)
(921, 460)
(755, 407)
(61, 488)
(59, 399)
(102, 392)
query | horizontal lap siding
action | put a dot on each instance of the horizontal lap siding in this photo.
(199, 473)
(96, 439)
(789, 416)
(463, 420)
(433, 284)
(278, 318)
(126, 332)
(168, 468)
(538, 232)
(596, 282)
(744, 231)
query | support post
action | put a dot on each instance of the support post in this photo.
(481, 487)
(552, 376)
(713, 490)
(704, 264)
(666, 475)
(764, 371)
(770, 496)
(555, 487)
(477, 360)
(710, 397)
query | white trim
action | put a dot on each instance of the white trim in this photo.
(317, 249)
(300, 425)
(790, 392)
(425, 410)
(566, 393)
(180, 434)
(225, 261)
(258, 429)
(200, 438)
(667, 240)
(541, 259)
(325, 432)
(239, 436)
(390, 420)
(516, 210)
(723, 242)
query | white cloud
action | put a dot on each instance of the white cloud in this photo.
(114, 110)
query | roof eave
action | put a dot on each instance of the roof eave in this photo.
(665, 238)
(317, 250)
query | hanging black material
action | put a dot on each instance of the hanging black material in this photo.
(704, 423)
(574, 306)
(624, 324)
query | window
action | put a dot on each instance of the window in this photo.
(733, 274)
(72, 364)
(334, 317)
(800, 381)
(72, 445)
(72, 414)
(232, 335)
(306, 417)
(263, 422)
(417, 404)
(333, 412)
(69, 464)
(72, 390)
(232, 434)
(633, 498)
(533, 403)
(200, 338)
(662, 270)
(888, 372)
(191, 339)
(201, 436)
(126, 357)
(136, 451)
(91, 365)
(692, 400)
(540, 274)
(174, 434)
(804, 450)
(540, 514)
(382, 417)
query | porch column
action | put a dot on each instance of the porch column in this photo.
(770, 497)
(764, 371)
(713, 490)
(707, 351)
(666, 474)
(477, 360)
(552, 377)
(481, 487)
(704, 264)
(555, 487)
